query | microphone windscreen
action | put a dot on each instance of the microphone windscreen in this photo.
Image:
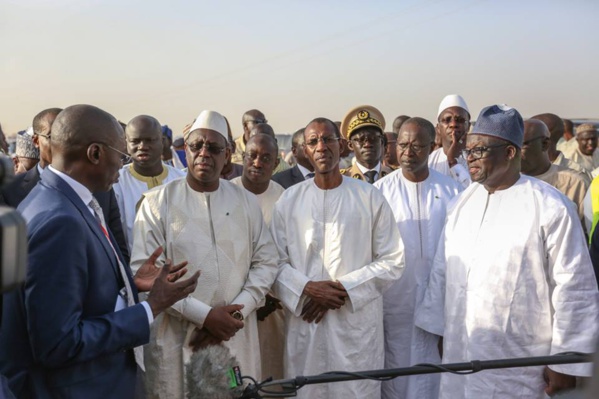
(208, 374)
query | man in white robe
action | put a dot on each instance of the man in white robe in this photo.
(586, 154)
(418, 197)
(340, 250)
(512, 276)
(218, 227)
(259, 161)
(535, 162)
(453, 122)
(144, 144)
(555, 124)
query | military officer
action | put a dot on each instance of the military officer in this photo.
(363, 129)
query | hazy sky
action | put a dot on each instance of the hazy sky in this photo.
(296, 60)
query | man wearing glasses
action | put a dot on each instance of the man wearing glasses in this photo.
(342, 250)
(512, 275)
(453, 122)
(363, 129)
(144, 145)
(70, 330)
(17, 190)
(218, 227)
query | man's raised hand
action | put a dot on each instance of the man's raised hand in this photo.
(165, 293)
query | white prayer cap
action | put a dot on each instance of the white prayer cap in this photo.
(210, 120)
(452, 100)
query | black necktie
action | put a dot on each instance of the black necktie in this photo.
(370, 176)
(310, 175)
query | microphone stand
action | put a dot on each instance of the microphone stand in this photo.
(292, 385)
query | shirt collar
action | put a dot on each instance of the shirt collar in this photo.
(377, 168)
(303, 170)
(82, 191)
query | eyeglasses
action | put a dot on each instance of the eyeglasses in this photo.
(362, 139)
(328, 140)
(125, 158)
(414, 147)
(458, 119)
(479, 152)
(44, 135)
(527, 142)
(213, 149)
(251, 157)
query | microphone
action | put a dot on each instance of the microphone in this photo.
(213, 372)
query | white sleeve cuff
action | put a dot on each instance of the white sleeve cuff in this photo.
(149, 313)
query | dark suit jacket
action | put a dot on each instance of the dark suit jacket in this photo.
(60, 336)
(23, 183)
(289, 177)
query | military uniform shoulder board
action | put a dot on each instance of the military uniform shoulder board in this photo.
(343, 171)
(357, 176)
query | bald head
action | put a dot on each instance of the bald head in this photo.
(145, 144)
(144, 122)
(555, 125)
(42, 122)
(264, 140)
(80, 125)
(535, 159)
(534, 128)
(42, 131)
(88, 145)
(262, 128)
(249, 119)
(422, 124)
(398, 122)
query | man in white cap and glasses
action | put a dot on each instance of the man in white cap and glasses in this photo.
(453, 122)
(512, 277)
(218, 227)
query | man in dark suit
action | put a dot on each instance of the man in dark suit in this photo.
(69, 332)
(303, 168)
(23, 183)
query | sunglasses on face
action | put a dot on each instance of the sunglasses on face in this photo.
(212, 148)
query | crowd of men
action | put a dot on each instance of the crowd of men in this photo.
(443, 242)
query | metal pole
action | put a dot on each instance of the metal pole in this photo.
(473, 366)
